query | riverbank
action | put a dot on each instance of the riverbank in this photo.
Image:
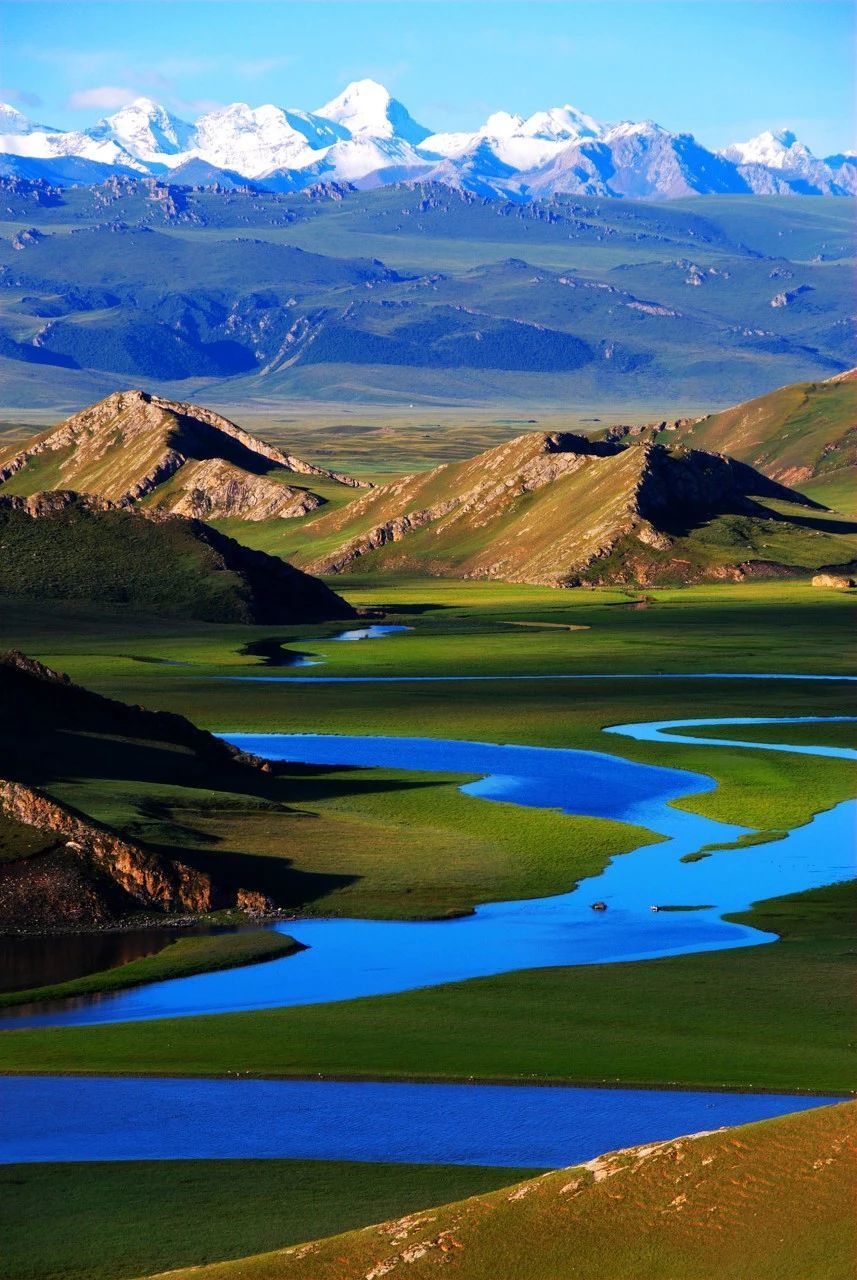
(776, 1018)
(180, 959)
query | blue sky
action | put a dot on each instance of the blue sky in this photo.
(722, 70)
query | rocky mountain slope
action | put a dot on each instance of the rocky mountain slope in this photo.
(366, 136)
(58, 865)
(66, 546)
(563, 510)
(134, 447)
(770, 1200)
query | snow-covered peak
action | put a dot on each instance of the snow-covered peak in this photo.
(367, 110)
(13, 121)
(146, 130)
(501, 125)
(565, 124)
(635, 129)
(515, 142)
(256, 141)
(778, 149)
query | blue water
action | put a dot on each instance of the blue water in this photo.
(64, 1118)
(664, 730)
(353, 958)
(374, 632)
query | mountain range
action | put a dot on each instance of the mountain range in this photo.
(367, 138)
(417, 292)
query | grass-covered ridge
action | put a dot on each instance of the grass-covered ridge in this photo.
(60, 546)
(772, 1200)
(798, 433)
(563, 510)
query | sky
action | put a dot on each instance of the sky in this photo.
(723, 71)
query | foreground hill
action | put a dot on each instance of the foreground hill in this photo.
(66, 546)
(804, 434)
(133, 447)
(770, 1200)
(564, 510)
(60, 866)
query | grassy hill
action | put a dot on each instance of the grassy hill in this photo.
(63, 546)
(135, 447)
(562, 510)
(771, 1200)
(804, 434)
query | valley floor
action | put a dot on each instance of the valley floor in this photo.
(394, 843)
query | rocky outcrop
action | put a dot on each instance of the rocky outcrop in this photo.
(148, 882)
(836, 580)
(216, 490)
(87, 873)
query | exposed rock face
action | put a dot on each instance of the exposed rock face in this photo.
(217, 490)
(134, 446)
(547, 509)
(147, 881)
(839, 581)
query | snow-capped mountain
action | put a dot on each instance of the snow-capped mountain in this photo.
(777, 160)
(365, 109)
(368, 138)
(145, 130)
(518, 143)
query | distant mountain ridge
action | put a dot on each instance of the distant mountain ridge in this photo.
(367, 137)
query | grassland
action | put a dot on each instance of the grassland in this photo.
(771, 1200)
(775, 1017)
(370, 842)
(180, 959)
(398, 843)
(114, 1221)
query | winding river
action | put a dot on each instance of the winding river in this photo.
(68, 1118)
(348, 958)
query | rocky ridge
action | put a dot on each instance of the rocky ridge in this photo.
(133, 447)
(544, 509)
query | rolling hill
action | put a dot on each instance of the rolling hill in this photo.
(565, 510)
(804, 434)
(771, 1200)
(134, 447)
(68, 546)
